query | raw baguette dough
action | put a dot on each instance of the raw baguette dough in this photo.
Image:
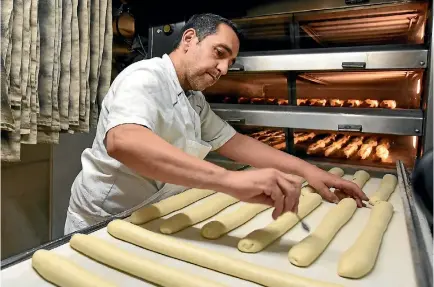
(110, 255)
(207, 258)
(360, 178)
(386, 188)
(360, 258)
(169, 205)
(334, 170)
(311, 247)
(63, 272)
(259, 239)
(195, 214)
(226, 222)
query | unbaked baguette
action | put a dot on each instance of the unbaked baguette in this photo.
(210, 207)
(206, 258)
(224, 223)
(360, 258)
(63, 272)
(310, 248)
(386, 188)
(259, 239)
(169, 205)
(128, 262)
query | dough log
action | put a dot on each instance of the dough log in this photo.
(259, 239)
(206, 258)
(311, 247)
(360, 258)
(227, 222)
(63, 272)
(169, 205)
(210, 207)
(386, 188)
(360, 178)
(334, 170)
(125, 261)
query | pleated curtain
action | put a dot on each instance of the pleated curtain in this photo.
(56, 59)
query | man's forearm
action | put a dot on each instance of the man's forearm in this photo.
(244, 149)
(152, 157)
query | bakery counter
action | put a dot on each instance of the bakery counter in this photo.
(404, 257)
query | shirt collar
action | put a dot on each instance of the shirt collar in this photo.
(173, 77)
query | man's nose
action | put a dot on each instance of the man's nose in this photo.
(223, 67)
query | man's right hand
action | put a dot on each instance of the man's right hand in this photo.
(266, 186)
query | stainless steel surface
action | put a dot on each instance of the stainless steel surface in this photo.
(398, 122)
(333, 60)
(421, 249)
(428, 124)
(285, 6)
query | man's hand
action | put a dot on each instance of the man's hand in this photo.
(267, 186)
(322, 181)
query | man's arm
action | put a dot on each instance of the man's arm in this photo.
(247, 150)
(149, 155)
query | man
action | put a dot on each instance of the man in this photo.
(155, 129)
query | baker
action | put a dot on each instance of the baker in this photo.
(155, 129)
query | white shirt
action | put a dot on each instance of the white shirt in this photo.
(147, 93)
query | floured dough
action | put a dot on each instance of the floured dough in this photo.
(259, 239)
(360, 258)
(62, 272)
(210, 207)
(207, 258)
(224, 223)
(311, 247)
(386, 188)
(115, 257)
(169, 205)
(334, 170)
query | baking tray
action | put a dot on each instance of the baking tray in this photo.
(395, 265)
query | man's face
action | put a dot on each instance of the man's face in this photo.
(207, 60)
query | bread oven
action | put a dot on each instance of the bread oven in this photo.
(339, 84)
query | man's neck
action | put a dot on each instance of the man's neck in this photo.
(176, 58)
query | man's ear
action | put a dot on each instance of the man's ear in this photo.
(188, 38)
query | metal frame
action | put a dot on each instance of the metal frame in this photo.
(296, 6)
(379, 121)
(333, 59)
(418, 230)
(429, 104)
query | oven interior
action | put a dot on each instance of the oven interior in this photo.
(373, 150)
(357, 89)
(397, 23)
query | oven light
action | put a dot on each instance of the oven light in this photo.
(414, 141)
(418, 87)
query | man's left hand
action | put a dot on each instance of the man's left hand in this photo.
(322, 181)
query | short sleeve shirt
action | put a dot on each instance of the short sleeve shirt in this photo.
(146, 93)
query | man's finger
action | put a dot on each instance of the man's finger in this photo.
(262, 199)
(340, 195)
(325, 193)
(286, 188)
(278, 204)
(351, 188)
(359, 202)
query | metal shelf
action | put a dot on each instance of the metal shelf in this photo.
(332, 59)
(377, 121)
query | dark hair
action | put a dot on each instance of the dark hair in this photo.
(205, 25)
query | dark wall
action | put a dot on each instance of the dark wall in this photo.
(162, 12)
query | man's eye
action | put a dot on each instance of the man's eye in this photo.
(218, 52)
